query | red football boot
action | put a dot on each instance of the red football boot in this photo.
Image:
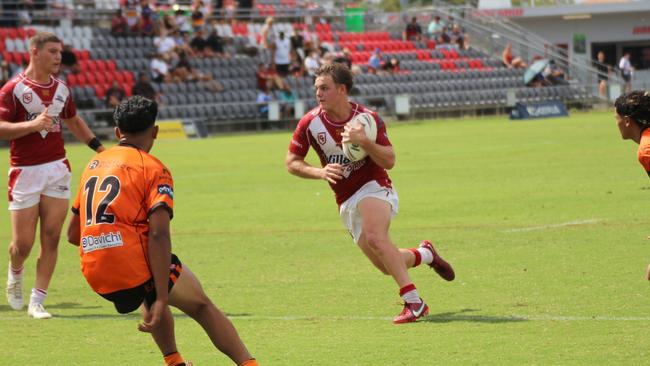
(442, 268)
(411, 313)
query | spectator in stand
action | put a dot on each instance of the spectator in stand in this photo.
(144, 87)
(132, 17)
(198, 43)
(457, 37)
(167, 24)
(603, 74)
(553, 74)
(413, 31)
(165, 46)
(114, 95)
(297, 43)
(510, 60)
(268, 78)
(159, 69)
(392, 66)
(296, 65)
(282, 58)
(119, 24)
(267, 34)
(263, 98)
(183, 40)
(181, 21)
(215, 44)
(184, 72)
(444, 38)
(374, 63)
(146, 26)
(312, 63)
(435, 27)
(287, 100)
(199, 11)
(345, 58)
(24, 12)
(69, 64)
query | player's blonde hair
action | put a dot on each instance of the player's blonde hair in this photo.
(39, 40)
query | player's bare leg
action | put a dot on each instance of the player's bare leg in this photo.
(163, 334)
(23, 231)
(188, 296)
(376, 216)
(381, 251)
(52, 213)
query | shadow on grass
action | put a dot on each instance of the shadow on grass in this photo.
(463, 316)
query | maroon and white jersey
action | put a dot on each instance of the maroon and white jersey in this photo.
(315, 129)
(22, 99)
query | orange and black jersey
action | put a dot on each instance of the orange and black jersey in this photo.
(644, 150)
(118, 191)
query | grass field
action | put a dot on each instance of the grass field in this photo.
(545, 222)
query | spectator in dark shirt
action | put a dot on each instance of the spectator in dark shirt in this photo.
(344, 58)
(215, 43)
(603, 74)
(144, 88)
(119, 24)
(198, 43)
(413, 32)
(114, 95)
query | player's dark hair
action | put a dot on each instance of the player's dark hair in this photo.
(41, 38)
(340, 73)
(635, 105)
(135, 114)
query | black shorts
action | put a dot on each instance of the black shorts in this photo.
(128, 300)
(626, 77)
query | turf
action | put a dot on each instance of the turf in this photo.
(545, 222)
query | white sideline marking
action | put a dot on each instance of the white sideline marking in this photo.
(449, 318)
(553, 226)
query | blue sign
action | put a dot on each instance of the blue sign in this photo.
(549, 109)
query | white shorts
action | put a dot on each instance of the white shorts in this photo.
(350, 214)
(28, 183)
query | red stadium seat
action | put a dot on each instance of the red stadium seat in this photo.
(81, 79)
(71, 80)
(8, 56)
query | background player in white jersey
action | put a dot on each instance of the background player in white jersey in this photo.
(367, 201)
(32, 106)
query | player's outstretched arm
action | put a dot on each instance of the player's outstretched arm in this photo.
(297, 166)
(15, 130)
(82, 132)
(74, 230)
(160, 254)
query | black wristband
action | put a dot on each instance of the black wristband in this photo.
(94, 143)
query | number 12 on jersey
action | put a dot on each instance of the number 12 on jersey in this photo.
(110, 184)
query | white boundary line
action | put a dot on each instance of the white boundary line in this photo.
(553, 226)
(460, 317)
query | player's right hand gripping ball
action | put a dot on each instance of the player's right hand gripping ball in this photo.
(354, 152)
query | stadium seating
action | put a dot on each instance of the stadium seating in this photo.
(435, 77)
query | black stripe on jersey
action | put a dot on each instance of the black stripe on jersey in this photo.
(162, 205)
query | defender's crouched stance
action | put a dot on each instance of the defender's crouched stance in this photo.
(121, 219)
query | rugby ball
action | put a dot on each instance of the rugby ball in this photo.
(354, 152)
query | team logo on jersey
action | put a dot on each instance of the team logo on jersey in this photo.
(27, 98)
(166, 189)
(93, 164)
(322, 138)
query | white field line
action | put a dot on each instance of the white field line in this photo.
(553, 226)
(442, 318)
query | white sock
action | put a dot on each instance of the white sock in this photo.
(412, 297)
(38, 296)
(14, 275)
(426, 255)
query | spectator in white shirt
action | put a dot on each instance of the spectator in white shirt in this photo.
(282, 54)
(626, 71)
